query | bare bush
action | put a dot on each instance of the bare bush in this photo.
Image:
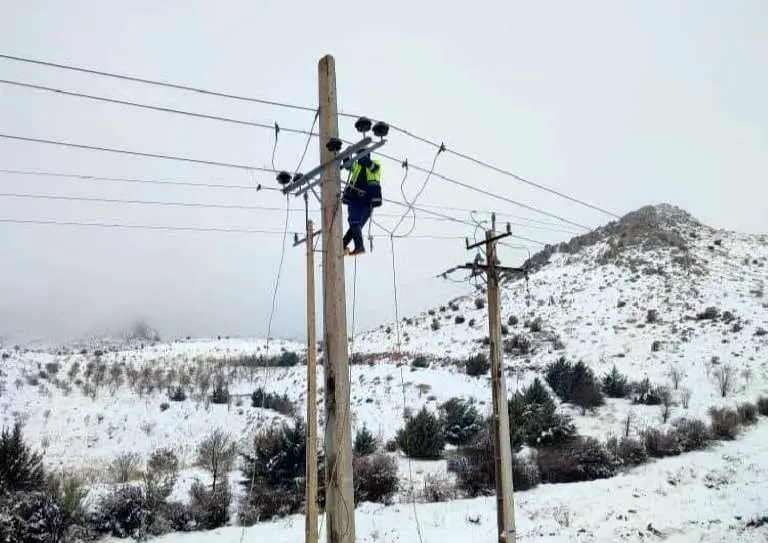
(124, 467)
(725, 377)
(438, 488)
(627, 451)
(216, 453)
(762, 405)
(375, 478)
(725, 423)
(747, 413)
(685, 397)
(582, 459)
(675, 374)
(660, 444)
(692, 434)
(666, 404)
(160, 476)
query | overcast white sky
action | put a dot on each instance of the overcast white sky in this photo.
(618, 103)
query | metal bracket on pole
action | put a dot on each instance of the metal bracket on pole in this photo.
(495, 238)
(352, 153)
(297, 241)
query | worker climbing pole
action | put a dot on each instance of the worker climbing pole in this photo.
(365, 178)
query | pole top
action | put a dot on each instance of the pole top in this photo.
(326, 60)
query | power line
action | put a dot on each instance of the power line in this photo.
(47, 222)
(142, 226)
(500, 170)
(312, 109)
(488, 193)
(158, 83)
(137, 153)
(539, 224)
(84, 177)
(205, 205)
(155, 108)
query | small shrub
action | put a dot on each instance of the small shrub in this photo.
(21, 468)
(459, 319)
(178, 394)
(68, 493)
(615, 384)
(375, 478)
(160, 476)
(627, 451)
(512, 320)
(575, 383)
(709, 313)
(32, 517)
(220, 393)
(762, 405)
(535, 325)
(647, 394)
(435, 326)
(422, 437)
(692, 434)
(479, 303)
(525, 473)
(210, 508)
(460, 420)
(268, 400)
(391, 445)
(438, 488)
(420, 362)
(747, 413)
(475, 468)
(660, 444)
(652, 316)
(518, 344)
(124, 512)
(165, 406)
(583, 459)
(288, 359)
(365, 443)
(725, 423)
(124, 467)
(477, 365)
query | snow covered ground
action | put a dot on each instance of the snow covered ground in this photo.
(639, 313)
(705, 496)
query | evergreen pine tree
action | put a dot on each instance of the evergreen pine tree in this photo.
(461, 422)
(422, 437)
(615, 384)
(365, 443)
(21, 469)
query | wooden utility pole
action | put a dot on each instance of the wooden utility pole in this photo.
(339, 500)
(505, 506)
(311, 460)
(502, 446)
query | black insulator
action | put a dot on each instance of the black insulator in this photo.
(334, 145)
(283, 178)
(380, 129)
(363, 125)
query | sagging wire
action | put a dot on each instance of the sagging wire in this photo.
(277, 285)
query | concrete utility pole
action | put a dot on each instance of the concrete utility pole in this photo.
(502, 447)
(311, 459)
(505, 503)
(339, 501)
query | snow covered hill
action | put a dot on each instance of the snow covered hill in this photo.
(657, 294)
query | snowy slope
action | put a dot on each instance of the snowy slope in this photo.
(631, 294)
